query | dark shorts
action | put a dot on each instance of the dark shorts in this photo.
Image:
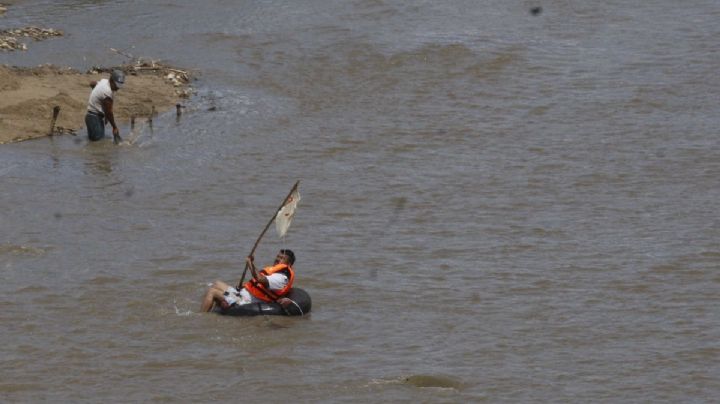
(95, 126)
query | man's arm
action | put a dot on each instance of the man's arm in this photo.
(107, 106)
(255, 274)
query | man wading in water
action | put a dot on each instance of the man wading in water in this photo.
(268, 285)
(100, 106)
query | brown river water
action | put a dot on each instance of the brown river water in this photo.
(497, 206)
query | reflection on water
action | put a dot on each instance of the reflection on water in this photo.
(99, 165)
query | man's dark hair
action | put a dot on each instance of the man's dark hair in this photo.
(290, 255)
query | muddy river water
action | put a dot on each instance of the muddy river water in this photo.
(496, 206)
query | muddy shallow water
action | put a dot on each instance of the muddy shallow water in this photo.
(496, 206)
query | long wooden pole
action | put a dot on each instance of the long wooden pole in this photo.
(272, 219)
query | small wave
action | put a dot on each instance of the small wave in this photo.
(5, 170)
(21, 249)
(423, 381)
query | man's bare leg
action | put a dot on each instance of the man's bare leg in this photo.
(216, 292)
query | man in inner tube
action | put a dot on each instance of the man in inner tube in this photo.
(268, 285)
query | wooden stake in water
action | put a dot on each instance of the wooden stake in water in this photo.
(56, 112)
(150, 118)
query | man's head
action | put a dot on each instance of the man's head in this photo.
(285, 257)
(117, 79)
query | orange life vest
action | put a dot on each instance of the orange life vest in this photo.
(258, 290)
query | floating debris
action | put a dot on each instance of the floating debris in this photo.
(8, 43)
(9, 37)
(35, 33)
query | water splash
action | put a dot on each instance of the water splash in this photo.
(180, 312)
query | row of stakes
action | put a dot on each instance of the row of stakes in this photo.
(60, 130)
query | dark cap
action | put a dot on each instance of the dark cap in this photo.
(118, 77)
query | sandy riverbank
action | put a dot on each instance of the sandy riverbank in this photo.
(28, 96)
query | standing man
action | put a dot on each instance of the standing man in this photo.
(269, 285)
(100, 106)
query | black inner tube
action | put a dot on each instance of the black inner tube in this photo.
(302, 304)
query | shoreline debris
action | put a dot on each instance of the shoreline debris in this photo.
(180, 79)
(10, 38)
